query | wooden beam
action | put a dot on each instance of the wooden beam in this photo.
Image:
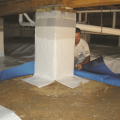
(56, 8)
(89, 3)
(21, 6)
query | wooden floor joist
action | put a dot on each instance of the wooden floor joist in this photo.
(88, 3)
(21, 6)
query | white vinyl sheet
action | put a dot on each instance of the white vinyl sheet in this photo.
(7, 62)
(64, 58)
(37, 81)
(6, 114)
(112, 64)
(72, 81)
(44, 58)
(69, 81)
(111, 56)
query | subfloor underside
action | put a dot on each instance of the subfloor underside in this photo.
(89, 101)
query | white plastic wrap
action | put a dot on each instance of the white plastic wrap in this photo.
(6, 114)
(111, 56)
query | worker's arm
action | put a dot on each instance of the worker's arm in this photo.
(86, 60)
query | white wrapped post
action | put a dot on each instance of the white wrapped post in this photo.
(54, 48)
(54, 44)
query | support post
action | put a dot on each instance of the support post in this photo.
(80, 17)
(54, 48)
(85, 17)
(1, 38)
(54, 44)
(119, 41)
(114, 19)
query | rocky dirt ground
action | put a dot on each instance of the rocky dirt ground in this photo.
(89, 101)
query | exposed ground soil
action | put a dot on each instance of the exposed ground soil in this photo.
(90, 101)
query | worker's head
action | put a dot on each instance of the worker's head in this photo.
(77, 36)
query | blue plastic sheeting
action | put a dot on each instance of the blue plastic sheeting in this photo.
(98, 77)
(22, 70)
(98, 71)
(94, 70)
(98, 66)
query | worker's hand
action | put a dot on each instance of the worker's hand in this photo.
(78, 66)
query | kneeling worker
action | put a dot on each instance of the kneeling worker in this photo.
(82, 52)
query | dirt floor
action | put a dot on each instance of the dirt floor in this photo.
(90, 101)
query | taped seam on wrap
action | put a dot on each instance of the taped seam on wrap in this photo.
(55, 14)
(55, 22)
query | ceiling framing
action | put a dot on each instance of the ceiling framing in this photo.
(11, 7)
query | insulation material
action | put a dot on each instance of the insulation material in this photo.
(6, 114)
